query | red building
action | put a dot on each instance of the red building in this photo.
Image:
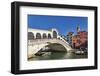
(80, 40)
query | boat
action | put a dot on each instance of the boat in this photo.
(78, 52)
(39, 54)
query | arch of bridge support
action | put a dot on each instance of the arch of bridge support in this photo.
(30, 36)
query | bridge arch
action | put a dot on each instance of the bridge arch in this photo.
(30, 36)
(38, 36)
(57, 47)
(44, 36)
(49, 36)
(39, 44)
(54, 34)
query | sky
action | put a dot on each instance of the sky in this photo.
(63, 24)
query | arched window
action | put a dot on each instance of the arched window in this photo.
(38, 36)
(44, 36)
(54, 34)
(30, 36)
(49, 36)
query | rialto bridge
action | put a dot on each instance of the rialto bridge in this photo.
(39, 39)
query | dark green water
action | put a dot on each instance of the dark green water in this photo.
(58, 55)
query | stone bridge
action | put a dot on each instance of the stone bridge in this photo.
(37, 44)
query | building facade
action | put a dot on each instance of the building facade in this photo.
(69, 37)
(80, 40)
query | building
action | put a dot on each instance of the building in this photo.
(83, 35)
(76, 41)
(80, 40)
(69, 37)
(78, 28)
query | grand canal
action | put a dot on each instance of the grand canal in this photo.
(58, 55)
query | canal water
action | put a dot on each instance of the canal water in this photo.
(58, 55)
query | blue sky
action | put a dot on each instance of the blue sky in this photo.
(63, 24)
